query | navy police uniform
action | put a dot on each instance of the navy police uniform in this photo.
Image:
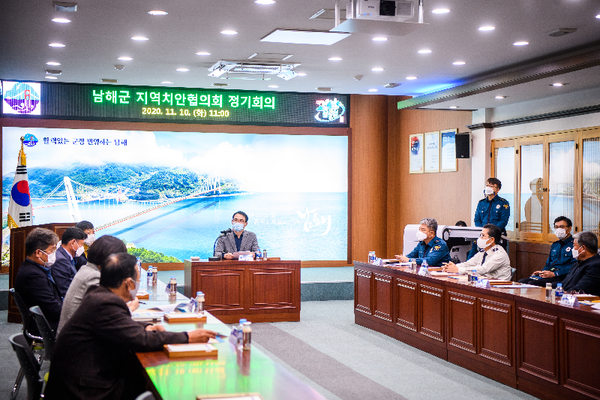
(496, 212)
(559, 261)
(435, 253)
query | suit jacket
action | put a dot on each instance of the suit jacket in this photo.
(36, 289)
(63, 270)
(94, 357)
(585, 276)
(88, 276)
(80, 261)
(226, 244)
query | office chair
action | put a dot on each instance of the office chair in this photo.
(147, 395)
(512, 273)
(46, 331)
(29, 365)
(33, 340)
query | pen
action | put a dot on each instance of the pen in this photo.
(141, 302)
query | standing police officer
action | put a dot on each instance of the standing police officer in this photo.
(492, 209)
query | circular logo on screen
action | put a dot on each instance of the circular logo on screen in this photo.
(30, 140)
(22, 98)
(329, 110)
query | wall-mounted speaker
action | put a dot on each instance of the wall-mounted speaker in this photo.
(463, 145)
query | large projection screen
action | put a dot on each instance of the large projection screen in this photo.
(174, 192)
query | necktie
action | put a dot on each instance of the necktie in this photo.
(484, 256)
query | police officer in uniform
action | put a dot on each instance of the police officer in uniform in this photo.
(560, 259)
(430, 248)
(492, 209)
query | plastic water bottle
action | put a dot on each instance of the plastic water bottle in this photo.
(559, 291)
(199, 306)
(425, 264)
(246, 335)
(264, 254)
(259, 255)
(239, 332)
(150, 276)
(372, 257)
(173, 286)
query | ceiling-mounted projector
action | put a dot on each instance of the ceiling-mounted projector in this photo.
(380, 10)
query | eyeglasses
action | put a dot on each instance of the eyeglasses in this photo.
(239, 220)
(492, 186)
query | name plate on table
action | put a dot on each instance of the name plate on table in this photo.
(191, 350)
(483, 283)
(246, 257)
(569, 300)
(176, 317)
(424, 271)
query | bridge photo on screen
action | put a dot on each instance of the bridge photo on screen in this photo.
(173, 192)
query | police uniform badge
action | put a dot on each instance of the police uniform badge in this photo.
(568, 249)
(498, 207)
(506, 206)
(436, 248)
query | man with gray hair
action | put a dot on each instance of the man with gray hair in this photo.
(585, 275)
(430, 248)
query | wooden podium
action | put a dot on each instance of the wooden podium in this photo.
(17, 256)
(261, 291)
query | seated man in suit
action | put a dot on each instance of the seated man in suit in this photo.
(491, 261)
(89, 275)
(35, 280)
(94, 357)
(66, 258)
(88, 228)
(560, 259)
(585, 275)
(236, 240)
(430, 248)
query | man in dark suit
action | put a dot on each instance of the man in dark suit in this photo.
(66, 258)
(236, 239)
(94, 357)
(35, 281)
(585, 275)
(88, 228)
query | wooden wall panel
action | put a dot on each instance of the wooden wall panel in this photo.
(538, 350)
(445, 196)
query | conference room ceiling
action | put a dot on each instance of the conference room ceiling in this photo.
(100, 32)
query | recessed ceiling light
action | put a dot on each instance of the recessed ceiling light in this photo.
(229, 32)
(157, 12)
(295, 36)
(264, 2)
(301, 73)
(522, 43)
(558, 84)
(124, 58)
(52, 63)
(373, 90)
(458, 63)
(377, 69)
(424, 51)
(500, 97)
(335, 58)
(380, 39)
(56, 45)
(166, 83)
(51, 77)
(487, 28)
(61, 20)
(273, 86)
(182, 69)
(203, 53)
(452, 106)
(139, 38)
(411, 78)
(598, 16)
(440, 11)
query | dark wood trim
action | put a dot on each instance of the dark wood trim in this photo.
(536, 118)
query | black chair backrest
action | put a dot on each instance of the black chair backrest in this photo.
(29, 365)
(46, 331)
(25, 316)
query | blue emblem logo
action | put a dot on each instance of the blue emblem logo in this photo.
(329, 110)
(21, 98)
(30, 140)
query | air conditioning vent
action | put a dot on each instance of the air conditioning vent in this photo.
(324, 89)
(561, 32)
(223, 67)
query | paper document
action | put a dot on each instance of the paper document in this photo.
(241, 253)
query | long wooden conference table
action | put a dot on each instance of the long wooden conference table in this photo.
(232, 374)
(511, 335)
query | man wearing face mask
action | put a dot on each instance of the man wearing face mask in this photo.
(88, 228)
(236, 239)
(560, 259)
(71, 248)
(492, 209)
(584, 276)
(94, 357)
(491, 262)
(35, 281)
(430, 248)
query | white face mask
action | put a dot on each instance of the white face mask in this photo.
(482, 243)
(79, 251)
(421, 236)
(238, 226)
(133, 292)
(51, 259)
(89, 240)
(488, 191)
(560, 233)
(576, 252)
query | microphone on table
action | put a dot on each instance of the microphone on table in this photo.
(226, 231)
